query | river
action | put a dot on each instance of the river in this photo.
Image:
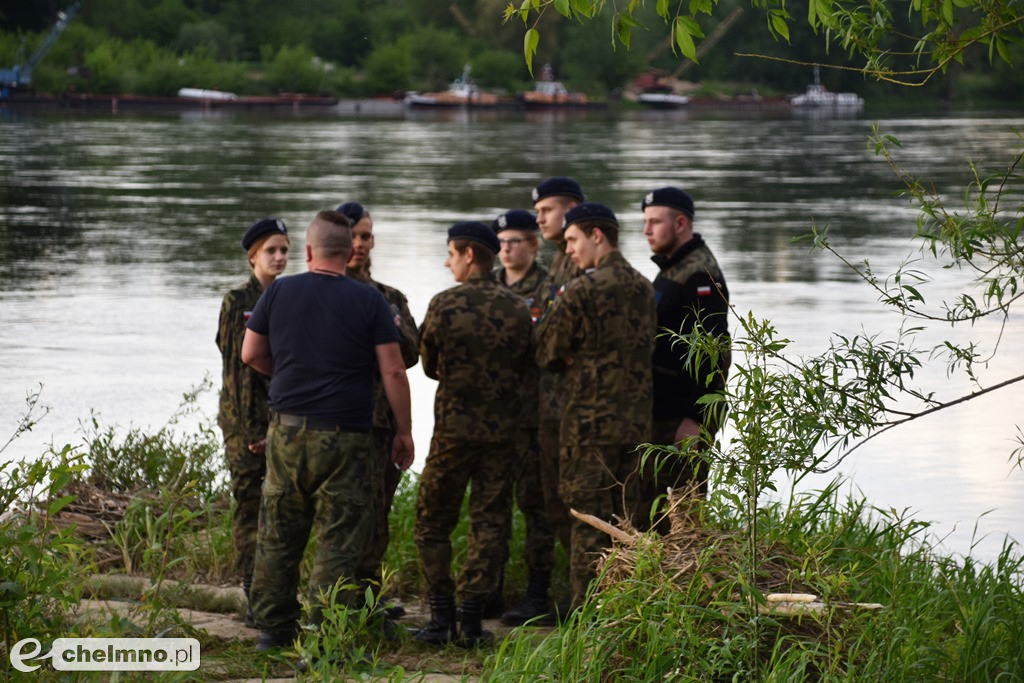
(120, 236)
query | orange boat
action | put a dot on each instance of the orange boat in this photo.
(547, 92)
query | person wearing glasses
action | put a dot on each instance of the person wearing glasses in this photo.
(519, 236)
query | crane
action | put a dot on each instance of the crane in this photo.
(20, 75)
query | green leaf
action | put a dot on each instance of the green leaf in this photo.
(530, 41)
(59, 504)
(779, 24)
(662, 8)
(947, 11)
(562, 7)
(1004, 52)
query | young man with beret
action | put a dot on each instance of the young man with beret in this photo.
(476, 341)
(689, 289)
(552, 198)
(358, 268)
(519, 236)
(322, 337)
(600, 334)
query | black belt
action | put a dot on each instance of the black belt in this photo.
(317, 425)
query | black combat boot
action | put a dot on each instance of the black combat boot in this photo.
(534, 604)
(471, 629)
(441, 628)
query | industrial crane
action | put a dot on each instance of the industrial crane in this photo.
(20, 75)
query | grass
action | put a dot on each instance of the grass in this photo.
(678, 608)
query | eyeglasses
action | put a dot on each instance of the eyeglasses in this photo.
(511, 241)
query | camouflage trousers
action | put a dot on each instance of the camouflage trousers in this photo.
(387, 484)
(539, 553)
(451, 466)
(321, 481)
(592, 479)
(662, 471)
(247, 471)
(549, 455)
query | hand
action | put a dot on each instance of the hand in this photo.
(402, 451)
(258, 448)
(687, 428)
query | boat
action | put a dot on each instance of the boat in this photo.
(817, 95)
(547, 92)
(462, 92)
(662, 100)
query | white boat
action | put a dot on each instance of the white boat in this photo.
(462, 92)
(818, 95)
(662, 100)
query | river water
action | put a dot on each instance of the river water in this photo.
(119, 236)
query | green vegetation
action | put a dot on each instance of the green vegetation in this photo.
(362, 48)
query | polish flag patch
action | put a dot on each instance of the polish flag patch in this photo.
(703, 290)
(246, 315)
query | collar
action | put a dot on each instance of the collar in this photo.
(663, 262)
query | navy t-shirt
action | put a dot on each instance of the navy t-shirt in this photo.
(322, 331)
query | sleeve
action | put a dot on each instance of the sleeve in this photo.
(555, 334)
(409, 341)
(247, 389)
(384, 330)
(430, 340)
(224, 325)
(709, 311)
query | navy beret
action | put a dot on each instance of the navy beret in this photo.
(558, 186)
(589, 211)
(515, 219)
(475, 231)
(669, 196)
(260, 228)
(354, 211)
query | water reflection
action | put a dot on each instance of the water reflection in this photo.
(119, 236)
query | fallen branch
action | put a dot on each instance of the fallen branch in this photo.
(601, 525)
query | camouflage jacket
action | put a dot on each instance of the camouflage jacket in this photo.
(244, 392)
(552, 384)
(690, 287)
(600, 334)
(529, 287)
(409, 344)
(476, 341)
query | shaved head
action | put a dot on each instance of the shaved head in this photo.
(330, 235)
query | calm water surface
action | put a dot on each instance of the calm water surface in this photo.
(120, 236)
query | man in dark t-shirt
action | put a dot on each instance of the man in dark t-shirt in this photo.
(320, 336)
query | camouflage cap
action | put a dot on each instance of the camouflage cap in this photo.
(475, 231)
(515, 219)
(262, 227)
(669, 196)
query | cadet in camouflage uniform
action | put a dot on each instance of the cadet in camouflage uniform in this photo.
(689, 288)
(321, 336)
(552, 198)
(476, 341)
(358, 267)
(518, 234)
(600, 333)
(243, 410)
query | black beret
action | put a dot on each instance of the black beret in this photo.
(558, 186)
(669, 196)
(589, 211)
(354, 211)
(515, 219)
(477, 232)
(266, 226)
